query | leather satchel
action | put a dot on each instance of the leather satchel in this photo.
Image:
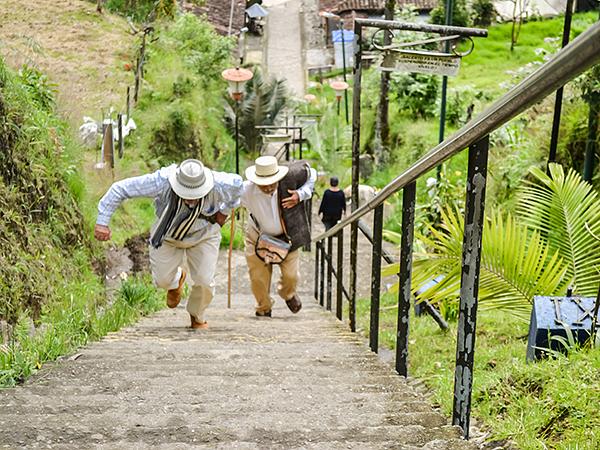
(271, 250)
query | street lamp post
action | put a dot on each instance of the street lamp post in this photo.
(237, 78)
(330, 15)
(339, 87)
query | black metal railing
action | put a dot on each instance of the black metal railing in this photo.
(568, 63)
(293, 149)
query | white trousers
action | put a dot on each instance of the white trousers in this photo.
(199, 254)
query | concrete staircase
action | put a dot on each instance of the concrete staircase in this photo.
(293, 381)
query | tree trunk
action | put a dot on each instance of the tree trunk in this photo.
(99, 6)
(382, 126)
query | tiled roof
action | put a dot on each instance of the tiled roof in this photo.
(340, 6)
(218, 13)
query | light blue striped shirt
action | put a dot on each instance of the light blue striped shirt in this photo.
(224, 196)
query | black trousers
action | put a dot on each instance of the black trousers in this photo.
(329, 223)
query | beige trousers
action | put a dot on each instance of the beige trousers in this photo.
(199, 253)
(260, 274)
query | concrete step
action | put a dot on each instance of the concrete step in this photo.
(301, 381)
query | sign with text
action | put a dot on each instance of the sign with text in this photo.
(422, 62)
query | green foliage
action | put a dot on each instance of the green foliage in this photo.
(441, 192)
(416, 93)
(462, 103)
(331, 137)
(77, 315)
(460, 14)
(176, 138)
(180, 111)
(146, 10)
(483, 13)
(183, 86)
(38, 86)
(549, 404)
(41, 224)
(566, 210)
(486, 68)
(138, 10)
(515, 265)
(574, 125)
(263, 102)
(238, 236)
(536, 406)
(202, 49)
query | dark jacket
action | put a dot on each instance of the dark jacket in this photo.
(296, 218)
(332, 205)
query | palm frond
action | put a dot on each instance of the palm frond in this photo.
(515, 264)
(566, 211)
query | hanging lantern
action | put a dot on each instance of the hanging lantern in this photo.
(339, 87)
(237, 78)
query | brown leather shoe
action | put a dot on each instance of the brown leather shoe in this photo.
(174, 295)
(294, 304)
(198, 325)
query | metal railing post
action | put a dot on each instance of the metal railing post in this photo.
(404, 275)
(329, 270)
(340, 278)
(322, 275)
(469, 283)
(355, 170)
(317, 253)
(120, 128)
(376, 278)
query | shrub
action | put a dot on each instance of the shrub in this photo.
(460, 14)
(41, 224)
(483, 13)
(416, 93)
(176, 138)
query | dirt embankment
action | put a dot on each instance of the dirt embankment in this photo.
(82, 52)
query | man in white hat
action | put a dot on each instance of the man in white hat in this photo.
(274, 196)
(192, 203)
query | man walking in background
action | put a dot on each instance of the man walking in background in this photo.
(333, 204)
(192, 203)
(274, 196)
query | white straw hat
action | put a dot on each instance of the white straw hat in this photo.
(266, 171)
(191, 180)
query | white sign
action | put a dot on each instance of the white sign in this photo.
(422, 62)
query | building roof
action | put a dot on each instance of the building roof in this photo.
(341, 6)
(218, 13)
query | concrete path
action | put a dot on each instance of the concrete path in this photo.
(293, 381)
(284, 49)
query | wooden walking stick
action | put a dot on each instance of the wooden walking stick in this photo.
(231, 237)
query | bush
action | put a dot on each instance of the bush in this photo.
(138, 10)
(460, 14)
(416, 93)
(181, 107)
(41, 224)
(203, 50)
(483, 13)
(462, 101)
(176, 138)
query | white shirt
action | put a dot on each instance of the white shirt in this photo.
(265, 208)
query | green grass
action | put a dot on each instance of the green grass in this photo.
(486, 68)
(79, 314)
(547, 404)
